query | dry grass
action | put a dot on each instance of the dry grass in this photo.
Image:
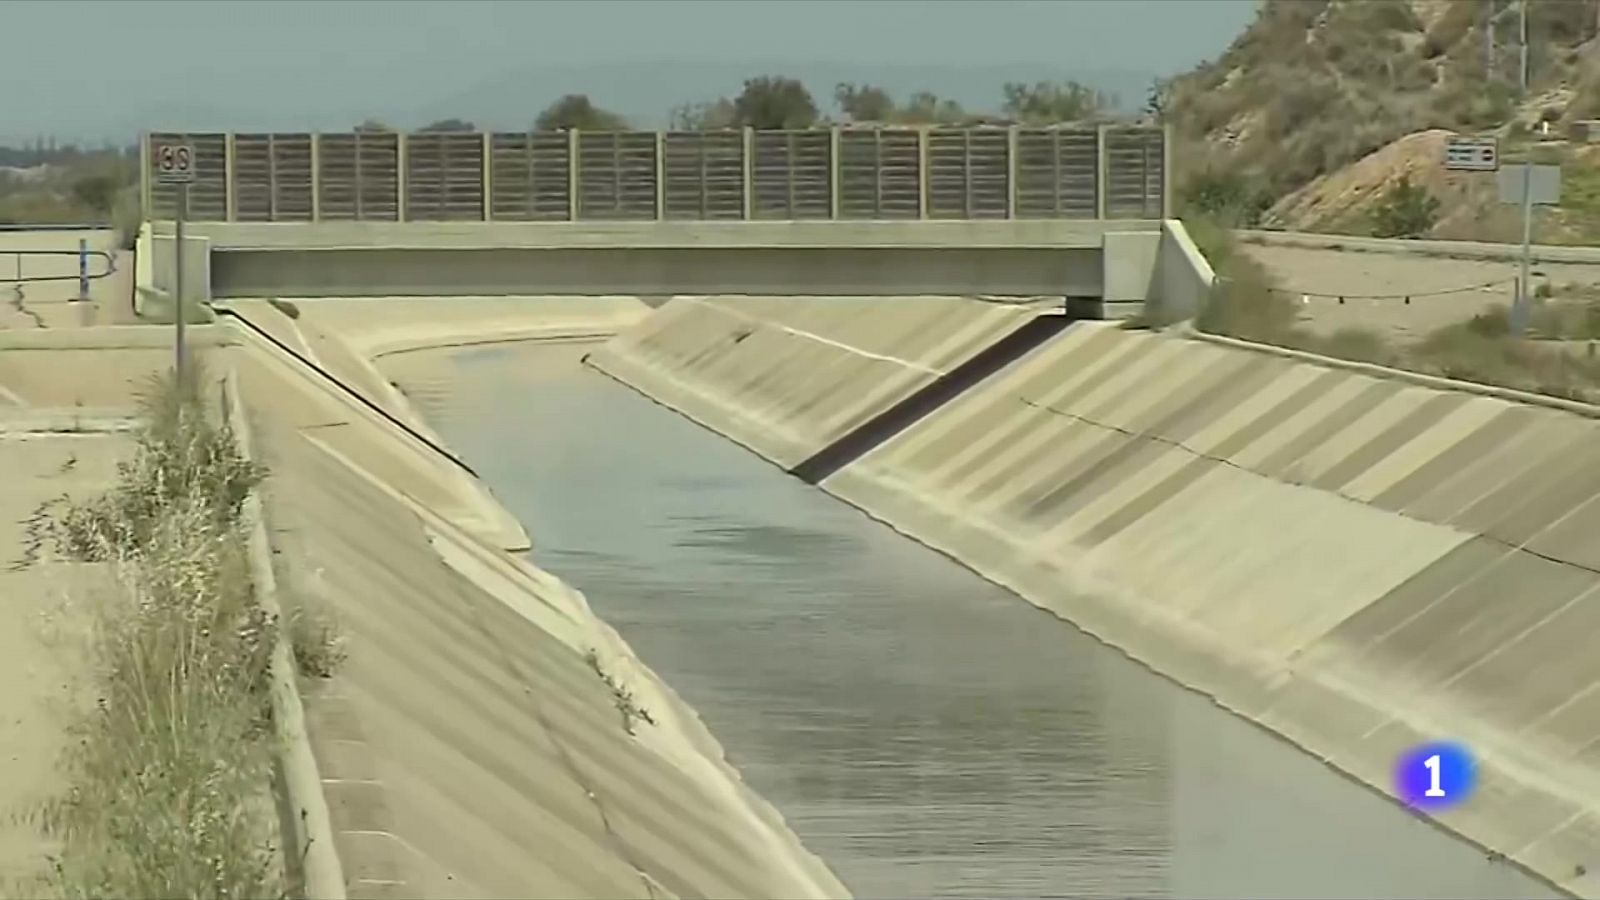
(1247, 304)
(171, 770)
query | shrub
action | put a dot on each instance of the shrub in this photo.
(1405, 211)
(169, 778)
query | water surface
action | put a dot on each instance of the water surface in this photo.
(924, 731)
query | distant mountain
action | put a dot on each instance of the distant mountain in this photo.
(645, 93)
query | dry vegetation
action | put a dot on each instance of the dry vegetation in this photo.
(170, 774)
(1247, 304)
(1314, 86)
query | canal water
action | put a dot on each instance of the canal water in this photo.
(923, 730)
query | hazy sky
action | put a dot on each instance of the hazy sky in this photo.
(81, 67)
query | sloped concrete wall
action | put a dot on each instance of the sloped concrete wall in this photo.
(1357, 562)
(1181, 278)
(468, 746)
(788, 377)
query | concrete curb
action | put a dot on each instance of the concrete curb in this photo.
(310, 828)
(1431, 381)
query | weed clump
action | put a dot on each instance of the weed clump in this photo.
(169, 776)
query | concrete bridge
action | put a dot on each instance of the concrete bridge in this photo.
(1290, 536)
(1075, 214)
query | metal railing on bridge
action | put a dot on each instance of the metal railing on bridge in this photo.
(1017, 172)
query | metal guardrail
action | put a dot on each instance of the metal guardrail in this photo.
(83, 276)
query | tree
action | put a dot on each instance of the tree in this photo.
(1406, 211)
(577, 111)
(1047, 103)
(771, 102)
(449, 125)
(864, 102)
(97, 192)
(372, 125)
(1159, 99)
(926, 108)
(707, 116)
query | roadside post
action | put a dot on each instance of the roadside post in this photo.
(175, 166)
(83, 270)
(1527, 185)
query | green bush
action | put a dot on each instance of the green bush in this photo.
(1405, 211)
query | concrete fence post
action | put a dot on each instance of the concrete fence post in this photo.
(833, 173)
(487, 151)
(922, 172)
(749, 172)
(402, 172)
(1011, 172)
(661, 173)
(230, 202)
(1166, 171)
(316, 176)
(272, 182)
(144, 176)
(572, 175)
(1102, 171)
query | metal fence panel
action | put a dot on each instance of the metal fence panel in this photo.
(880, 174)
(208, 193)
(791, 175)
(704, 174)
(444, 176)
(358, 176)
(616, 175)
(272, 177)
(530, 176)
(1057, 169)
(969, 173)
(1134, 177)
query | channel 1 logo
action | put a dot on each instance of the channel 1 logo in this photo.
(1435, 776)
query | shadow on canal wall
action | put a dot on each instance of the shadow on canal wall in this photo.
(1357, 560)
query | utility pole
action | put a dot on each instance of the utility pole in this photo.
(1488, 40)
(1523, 18)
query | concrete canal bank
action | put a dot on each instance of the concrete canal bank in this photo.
(1356, 560)
(487, 735)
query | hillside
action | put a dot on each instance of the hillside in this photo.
(1320, 105)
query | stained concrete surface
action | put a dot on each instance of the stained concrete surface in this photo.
(1157, 492)
(924, 730)
(468, 748)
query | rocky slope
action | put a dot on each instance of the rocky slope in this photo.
(1320, 105)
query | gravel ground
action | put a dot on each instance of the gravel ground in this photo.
(1317, 277)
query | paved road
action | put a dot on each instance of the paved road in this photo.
(1322, 274)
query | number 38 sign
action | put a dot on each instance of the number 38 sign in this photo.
(175, 163)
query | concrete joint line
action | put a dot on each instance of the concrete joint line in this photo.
(311, 832)
(563, 751)
(838, 345)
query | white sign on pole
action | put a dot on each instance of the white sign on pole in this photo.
(175, 163)
(1544, 184)
(1472, 154)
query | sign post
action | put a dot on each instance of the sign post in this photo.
(1527, 184)
(175, 166)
